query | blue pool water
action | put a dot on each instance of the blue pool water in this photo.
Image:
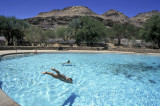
(99, 79)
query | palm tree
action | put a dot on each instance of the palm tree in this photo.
(74, 25)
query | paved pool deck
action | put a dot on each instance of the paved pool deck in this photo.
(2, 52)
(5, 100)
(58, 51)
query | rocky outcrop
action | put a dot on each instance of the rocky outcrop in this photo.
(50, 20)
(69, 11)
(54, 18)
(142, 17)
(118, 17)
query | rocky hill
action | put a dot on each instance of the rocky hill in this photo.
(142, 17)
(50, 20)
(116, 16)
(54, 18)
(69, 11)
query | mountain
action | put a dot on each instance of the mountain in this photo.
(142, 17)
(116, 16)
(54, 18)
(69, 11)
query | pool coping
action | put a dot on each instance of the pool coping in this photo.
(7, 52)
(7, 101)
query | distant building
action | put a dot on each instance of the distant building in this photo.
(3, 41)
(60, 42)
(124, 41)
(128, 42)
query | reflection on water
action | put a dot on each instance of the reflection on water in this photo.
(70, 100)
(134, 71)
(152, 81)
(0, 84)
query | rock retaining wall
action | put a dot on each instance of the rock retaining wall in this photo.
(48, 48)
(136, 50)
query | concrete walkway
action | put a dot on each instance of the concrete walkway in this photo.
(70, 51)
(50, 51)
(6, 100)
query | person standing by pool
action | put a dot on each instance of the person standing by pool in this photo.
(35, 52)
(58, 76)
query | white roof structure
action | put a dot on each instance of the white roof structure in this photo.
(2, 38)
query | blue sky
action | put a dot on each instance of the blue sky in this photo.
(30, 8)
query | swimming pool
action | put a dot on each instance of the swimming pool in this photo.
(98, 79)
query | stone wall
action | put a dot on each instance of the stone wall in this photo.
(49, 48)
(136, 50)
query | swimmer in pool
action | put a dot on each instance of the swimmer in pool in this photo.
(58, 76)
(68, 62)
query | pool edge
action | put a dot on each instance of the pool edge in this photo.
(72, 51)
(6, 100)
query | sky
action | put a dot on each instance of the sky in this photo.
(29, 8)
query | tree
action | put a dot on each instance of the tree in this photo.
(2, 23)
(36, 35)
(91, 31)
(50, 33)
(73, 27)
(12, 29)
(120, 31)
(61, 32)
(151, 30)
